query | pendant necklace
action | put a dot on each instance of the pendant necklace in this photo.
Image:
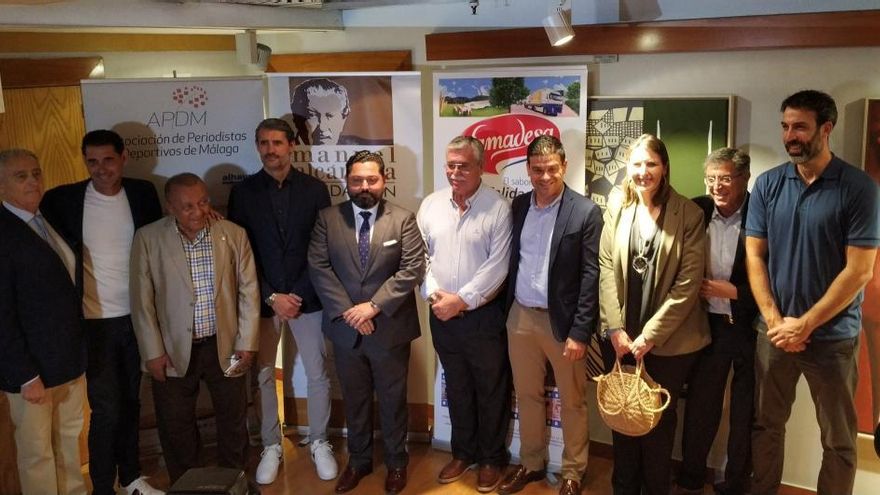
(645, 238)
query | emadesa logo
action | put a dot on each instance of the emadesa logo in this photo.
(194, 96)
(507, 136)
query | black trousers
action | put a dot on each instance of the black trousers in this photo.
(113, 379)
(473, 351)
(733, 346)
(175, 401)
(642, 465)
(361, 370)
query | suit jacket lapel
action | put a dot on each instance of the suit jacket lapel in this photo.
(348, 221)
(380, 231)
(562, 216)
(668, 233)
(174, 250)
(221, 256)
(741, 242)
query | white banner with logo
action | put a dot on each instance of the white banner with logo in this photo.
(334, 116)
(506, 109)
(204, 126)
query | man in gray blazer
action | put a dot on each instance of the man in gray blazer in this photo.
(195, 309)
(366, 257)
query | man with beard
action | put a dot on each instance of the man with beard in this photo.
(812, 235)
(365, 259)
(278, 206)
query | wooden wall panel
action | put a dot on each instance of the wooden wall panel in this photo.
(400, 60)
(44, 72)
(44, 42)
(838, 29)
(49, 122)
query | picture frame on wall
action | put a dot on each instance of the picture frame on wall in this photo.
(868, 391)
(690, 126)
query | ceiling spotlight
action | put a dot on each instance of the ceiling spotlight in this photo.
(558, 24)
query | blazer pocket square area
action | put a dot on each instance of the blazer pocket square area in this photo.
(390, 243)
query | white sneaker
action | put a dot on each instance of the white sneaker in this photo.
(141, 487)
(325, 463)
(268, 468)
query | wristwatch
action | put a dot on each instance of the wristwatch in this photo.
(375, 306)
(271, 299)
(608, 332)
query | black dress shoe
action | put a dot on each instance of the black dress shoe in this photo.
(395, 480)
(518, 479)
(350, 478)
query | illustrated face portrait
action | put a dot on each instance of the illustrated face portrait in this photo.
(319, 108)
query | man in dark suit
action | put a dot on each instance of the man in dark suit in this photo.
(365, 259)
(100, 216)
(553, 306)
(277, 206)
(42, 354)
(732, 311)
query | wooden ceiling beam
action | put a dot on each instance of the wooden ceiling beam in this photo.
(44, 42)
(837, 29)
(45, 72)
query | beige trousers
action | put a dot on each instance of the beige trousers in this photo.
(47, 440)
(531, 344)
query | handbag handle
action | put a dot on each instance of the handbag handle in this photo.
(633, 391)
(640, 371)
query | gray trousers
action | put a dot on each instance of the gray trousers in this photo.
(830, 368)
(306, 331)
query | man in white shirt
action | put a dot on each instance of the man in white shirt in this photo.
(467, 231)
(100, 216)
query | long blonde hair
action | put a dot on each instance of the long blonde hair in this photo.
(652, 143)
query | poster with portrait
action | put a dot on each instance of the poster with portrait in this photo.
(691, 127)
(506, 108)
(335, 115)
(868, 391)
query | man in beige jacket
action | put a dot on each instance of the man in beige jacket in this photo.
(195, 309)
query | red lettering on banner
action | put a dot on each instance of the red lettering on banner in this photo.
(506, 137)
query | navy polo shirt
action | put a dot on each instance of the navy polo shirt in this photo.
(808, 229)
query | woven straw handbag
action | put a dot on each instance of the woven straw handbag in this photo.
(630, 401)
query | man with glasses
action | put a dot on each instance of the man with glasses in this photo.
(467, 232)
(369, 312)
(731, 310)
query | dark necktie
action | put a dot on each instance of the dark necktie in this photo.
(364, 239)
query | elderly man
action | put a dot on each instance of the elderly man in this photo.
(732, 311)
(195, 308)
(811, 239)
(369, 312)
(101, 214)
(467, 232)
(42, 351)
(553, 301)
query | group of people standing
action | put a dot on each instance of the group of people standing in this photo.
(768, 284)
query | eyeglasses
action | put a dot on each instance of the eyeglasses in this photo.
(724, 180)
(462, 168)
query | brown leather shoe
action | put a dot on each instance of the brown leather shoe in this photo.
(395, 480)
(570, 487)
(518, 479)
(350, 478)
(488, 478)
(453, 471)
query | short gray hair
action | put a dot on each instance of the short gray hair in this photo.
(7, 156)
(739, 159)
(461, 142)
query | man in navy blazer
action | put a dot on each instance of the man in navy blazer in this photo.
(100, 215)
(277, 206)
(42, 354)
(732, 312)
(553, 307)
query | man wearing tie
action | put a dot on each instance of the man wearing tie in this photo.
(42, 351)
(365, 259)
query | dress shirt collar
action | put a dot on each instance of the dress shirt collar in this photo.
(24, 215)
(199, 235)
(269, 181)
(473, 198)
(373, 212)
(552, 204)
(735, 217)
